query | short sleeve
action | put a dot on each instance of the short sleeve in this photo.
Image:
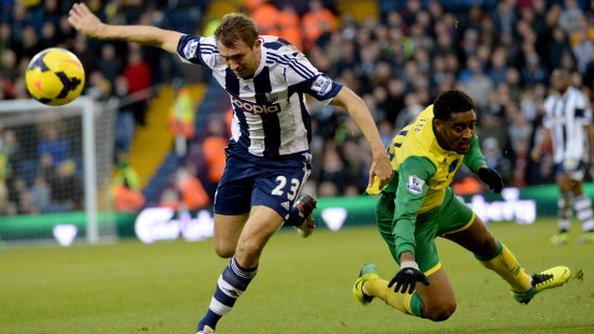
(303, 77)
(193, 49)
(583, 111)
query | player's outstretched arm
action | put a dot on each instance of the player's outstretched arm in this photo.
(84, 21)
(380, 166)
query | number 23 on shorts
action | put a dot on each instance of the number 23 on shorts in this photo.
(282, 181)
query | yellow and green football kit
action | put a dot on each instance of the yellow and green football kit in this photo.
(418, 204)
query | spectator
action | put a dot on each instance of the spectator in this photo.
(317, 22)
(99, 87)
(41, 195)
(290, 26)
(582, 46)
(412, 110)
(125, 174)
(498, 69)
(138, 75)
(193, 195)
(169, 199)
(505, 17)
(51, 144)
(556, 48)
(110, 64)
(85, 53)
(125, 123)
(24, 203)
(49, 37)
(67, 192)
(29, 42)
(266, 16)
(181, 118)
(332, 171)
(533, 73)
(477, 84)
(127, 199)
(213, 149)
(570, 16)
(51, 12)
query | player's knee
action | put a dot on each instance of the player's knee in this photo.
(223, 250)
(249, 248)
(440, 312)
(486, 246)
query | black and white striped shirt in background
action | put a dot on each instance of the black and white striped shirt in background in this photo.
(566, 115)
(270, 116)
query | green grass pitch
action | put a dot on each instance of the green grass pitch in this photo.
(304, 286)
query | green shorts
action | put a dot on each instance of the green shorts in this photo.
(452, 216)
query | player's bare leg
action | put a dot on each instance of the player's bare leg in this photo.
(497, 257)
(227, 230)
(564, 207)
(477, 239)
(435, 301)
(438, 299)
(583, 210)
(261, 224)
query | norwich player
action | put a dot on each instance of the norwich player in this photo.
(418, 205)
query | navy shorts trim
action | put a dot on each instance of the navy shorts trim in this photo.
(249, 181)
(575, 173)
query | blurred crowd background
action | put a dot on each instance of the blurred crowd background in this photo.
(500, 52)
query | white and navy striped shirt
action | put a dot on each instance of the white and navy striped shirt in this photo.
(566, 115)
(270, 116)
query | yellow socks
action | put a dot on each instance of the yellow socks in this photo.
(406, 303)
(506, 265)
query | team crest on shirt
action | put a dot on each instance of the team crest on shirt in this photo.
(322, 85)
(415, 185)
(190, 48)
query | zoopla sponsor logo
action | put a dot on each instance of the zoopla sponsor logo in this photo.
(254, 108)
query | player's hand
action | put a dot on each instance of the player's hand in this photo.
(380, 170)
(491, 178)
(406, 279)
(83, 20)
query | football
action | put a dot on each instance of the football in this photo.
(55, 76)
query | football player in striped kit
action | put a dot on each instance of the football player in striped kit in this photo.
(268, 156)
(568, 126)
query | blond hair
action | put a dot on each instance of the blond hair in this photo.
(236, 27)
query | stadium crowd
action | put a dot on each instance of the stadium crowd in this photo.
(500, 52)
